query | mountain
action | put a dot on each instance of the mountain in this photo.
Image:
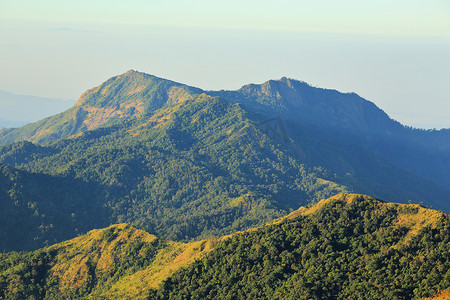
(122, 97)
(337, 117)
(347, 246)
(18, 110)
(177, 177)
(349, 119)
(187, 164)
(308, 104)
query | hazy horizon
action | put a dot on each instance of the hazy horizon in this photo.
(392, 54)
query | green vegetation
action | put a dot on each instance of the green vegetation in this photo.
(38, 210)
(178, 172)
(185, 165)
(347, 120)
(348, 246)
(351, 246)
(125, 96)
(117, 262)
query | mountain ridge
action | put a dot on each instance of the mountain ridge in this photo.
(363, 233)
(289, 95)
(103, 104)
(190, 164)
(326, 254)
(134, 94)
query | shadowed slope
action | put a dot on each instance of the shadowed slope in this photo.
(39, 209)
(346, 119)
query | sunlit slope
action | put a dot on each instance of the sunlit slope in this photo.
(127, 96)
(347, 246)
(117, 262)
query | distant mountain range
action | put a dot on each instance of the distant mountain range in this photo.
(184, 163)
(346, 247)
(18, 110)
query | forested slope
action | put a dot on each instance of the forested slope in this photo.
(186, 164)
(121, 97)
(348, 119)
(39, 209)
(348, 246)
(117, 262)
(185, 172)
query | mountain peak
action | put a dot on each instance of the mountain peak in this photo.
(325, 107)
(132, 89)
(133, 73)
(278, 94)
(129, 95)
(288, 81)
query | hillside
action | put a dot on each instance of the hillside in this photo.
(349, 246)
(348, 119)
(178, 178)
(117, 262)
(346, 246)
(339, 119)
(185, 164)
(318, 106)
(126, 96)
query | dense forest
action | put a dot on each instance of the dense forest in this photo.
(185, 164)
(348, 246)
(37, 210)
(113, 262)
(351, 120)
(353, 247)
(180, 179)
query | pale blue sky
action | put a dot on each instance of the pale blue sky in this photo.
(394, 53)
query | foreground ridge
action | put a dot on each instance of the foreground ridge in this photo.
(349, 245)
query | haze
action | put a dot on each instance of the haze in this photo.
(394, 54)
